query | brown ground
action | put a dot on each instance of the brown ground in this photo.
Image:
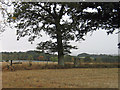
(61, 78)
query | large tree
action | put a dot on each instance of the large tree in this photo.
(33, 17)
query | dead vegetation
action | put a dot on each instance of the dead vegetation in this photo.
(54, 65)
(43, 75)
(62, 78)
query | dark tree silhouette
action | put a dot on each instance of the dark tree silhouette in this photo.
(33, 17)
(119, 45)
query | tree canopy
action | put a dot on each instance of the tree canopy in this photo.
(32, 18)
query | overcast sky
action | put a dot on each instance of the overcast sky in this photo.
(98, 43)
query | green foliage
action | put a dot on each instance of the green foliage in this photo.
(35, 55)
(54, 59)
(47, 46)
(7, 60)
(87, 59)
(68, 58)
(101, 57)
(30, 57)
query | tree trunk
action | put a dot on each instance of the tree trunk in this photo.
(60, 51)
(60, 46)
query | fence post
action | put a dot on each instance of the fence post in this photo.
(10, 62)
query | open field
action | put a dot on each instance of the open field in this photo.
(61, 78)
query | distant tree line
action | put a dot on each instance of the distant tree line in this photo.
(29, 55)
(39, 56)
(32, 55)
(99, 58)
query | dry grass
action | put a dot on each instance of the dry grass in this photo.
(62, 78)
(25, 65)
(39, 76)
(54, 65)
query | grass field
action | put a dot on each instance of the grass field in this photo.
(61, 78)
